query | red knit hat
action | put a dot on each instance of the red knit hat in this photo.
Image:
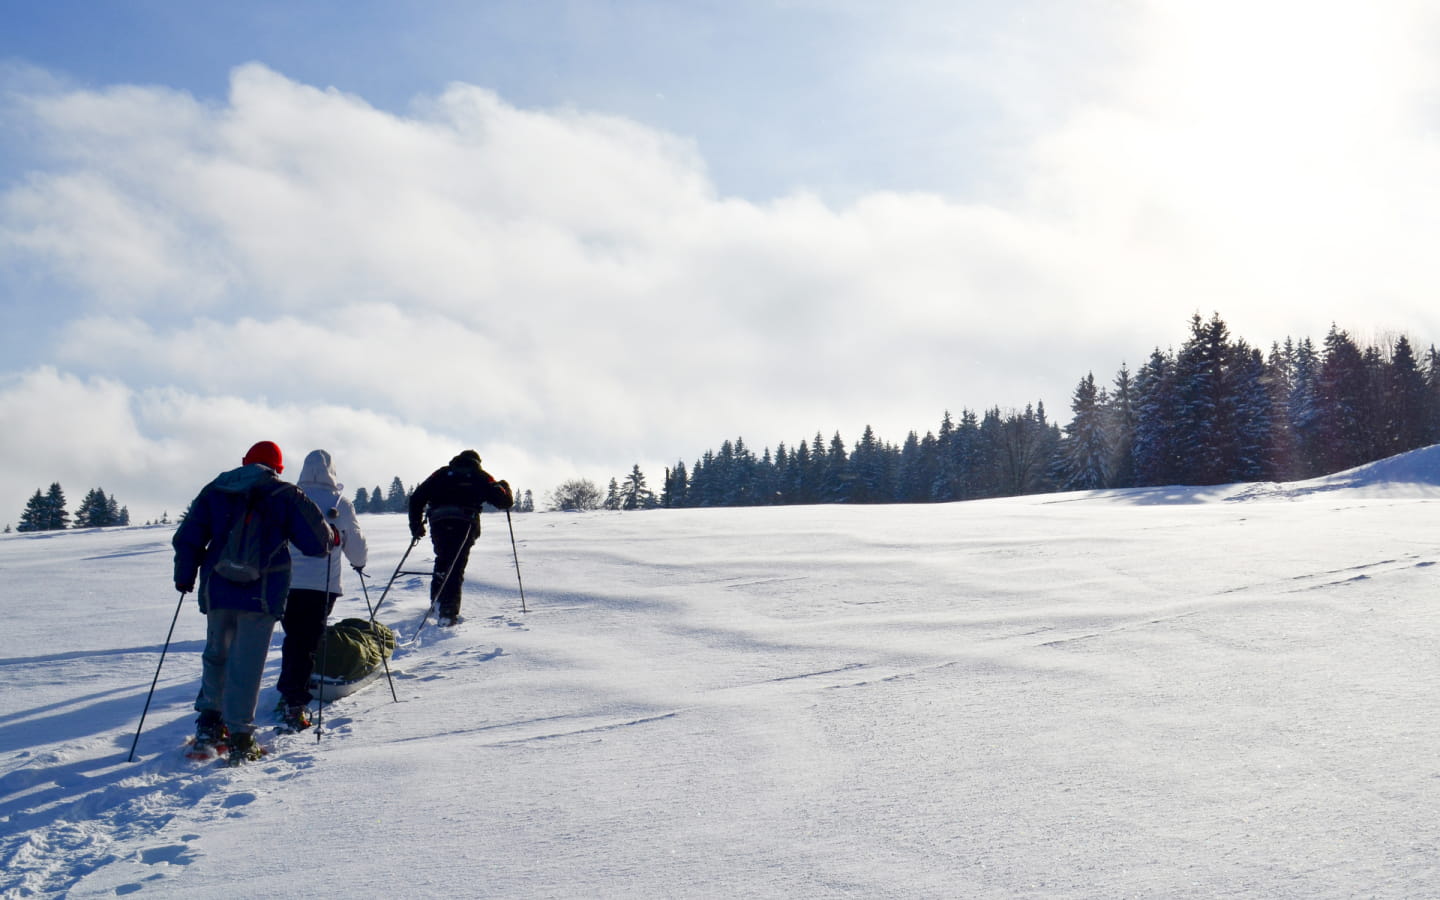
(267, 453)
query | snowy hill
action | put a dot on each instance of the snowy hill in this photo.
(1170, 692)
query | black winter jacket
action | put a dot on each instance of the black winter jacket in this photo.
(458, 491)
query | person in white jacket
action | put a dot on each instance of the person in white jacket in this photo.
(311, 597)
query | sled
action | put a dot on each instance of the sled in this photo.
(327, 687)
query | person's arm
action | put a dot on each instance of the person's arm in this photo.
(356, 550)
(418, 500)
(499, 495)
(308, 530)
(190, 541)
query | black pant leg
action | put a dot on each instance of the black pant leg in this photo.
(304, 623)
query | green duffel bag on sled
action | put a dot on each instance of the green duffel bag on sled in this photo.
(351, 655)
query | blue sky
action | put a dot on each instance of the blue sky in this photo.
(583, 235)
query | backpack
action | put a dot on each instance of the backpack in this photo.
(353, 649)
(239, 560)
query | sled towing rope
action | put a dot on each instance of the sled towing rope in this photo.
(413, 542)
(156, 680)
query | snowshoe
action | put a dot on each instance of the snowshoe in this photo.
(244, 749)
(292, 717)
(211, 737)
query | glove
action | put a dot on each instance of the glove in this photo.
(184, 588)
(417, 530)
(359, 570)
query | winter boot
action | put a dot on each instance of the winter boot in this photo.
(448, 615)
(243, 748)
(295, 717)
(210, 731)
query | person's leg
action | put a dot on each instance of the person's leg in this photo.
(450, 603)
(219, 633)
(245, 668)
(304, 621)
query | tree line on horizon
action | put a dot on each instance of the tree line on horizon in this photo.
(1214, 411)
(397, 499)
(45, 511)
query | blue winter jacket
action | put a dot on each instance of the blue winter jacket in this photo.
(287, 517)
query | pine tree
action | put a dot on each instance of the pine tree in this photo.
(1085, 454)
(1303, 410)
(35, 516)
(1406, 420)
(397, 501)
(1120, 425)
(1342, 388)
(361, 501)
(94, 511)
(1154, 449)
(57, 517)
(835, 486)
(634, 494)
(612, 495)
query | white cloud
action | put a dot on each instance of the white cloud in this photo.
(570, 287)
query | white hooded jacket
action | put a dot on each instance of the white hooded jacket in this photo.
(317, 480)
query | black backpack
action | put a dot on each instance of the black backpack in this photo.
(239, 560)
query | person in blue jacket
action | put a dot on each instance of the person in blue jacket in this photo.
(242, 606)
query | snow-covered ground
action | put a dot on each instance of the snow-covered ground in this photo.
(1221, 692)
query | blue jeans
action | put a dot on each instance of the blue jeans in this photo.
(236, 644)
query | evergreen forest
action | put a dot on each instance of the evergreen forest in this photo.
(1214, 411)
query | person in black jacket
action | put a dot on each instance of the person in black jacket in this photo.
(242, 602)
(451, 498)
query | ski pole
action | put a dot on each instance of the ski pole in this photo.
(156, 679)
(413, 542)
(384, 657)
(516, 554)
(324, 627)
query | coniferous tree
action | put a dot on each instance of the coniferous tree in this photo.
(1342, 388)
(1304, 410)
(1406, 420)
(58, 517)
(397, 501)
(1280, 379)
(836, 476)
(974, 459)
(869, 479)
(1251, 407)
(1085, 453)
(361, 501)
(1204, 424)
(1120, 425)
(612, 495)
(1154, 452)
(634, 494)
(35, 515)
(94, 511)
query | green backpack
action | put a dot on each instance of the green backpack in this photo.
(353, 648)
